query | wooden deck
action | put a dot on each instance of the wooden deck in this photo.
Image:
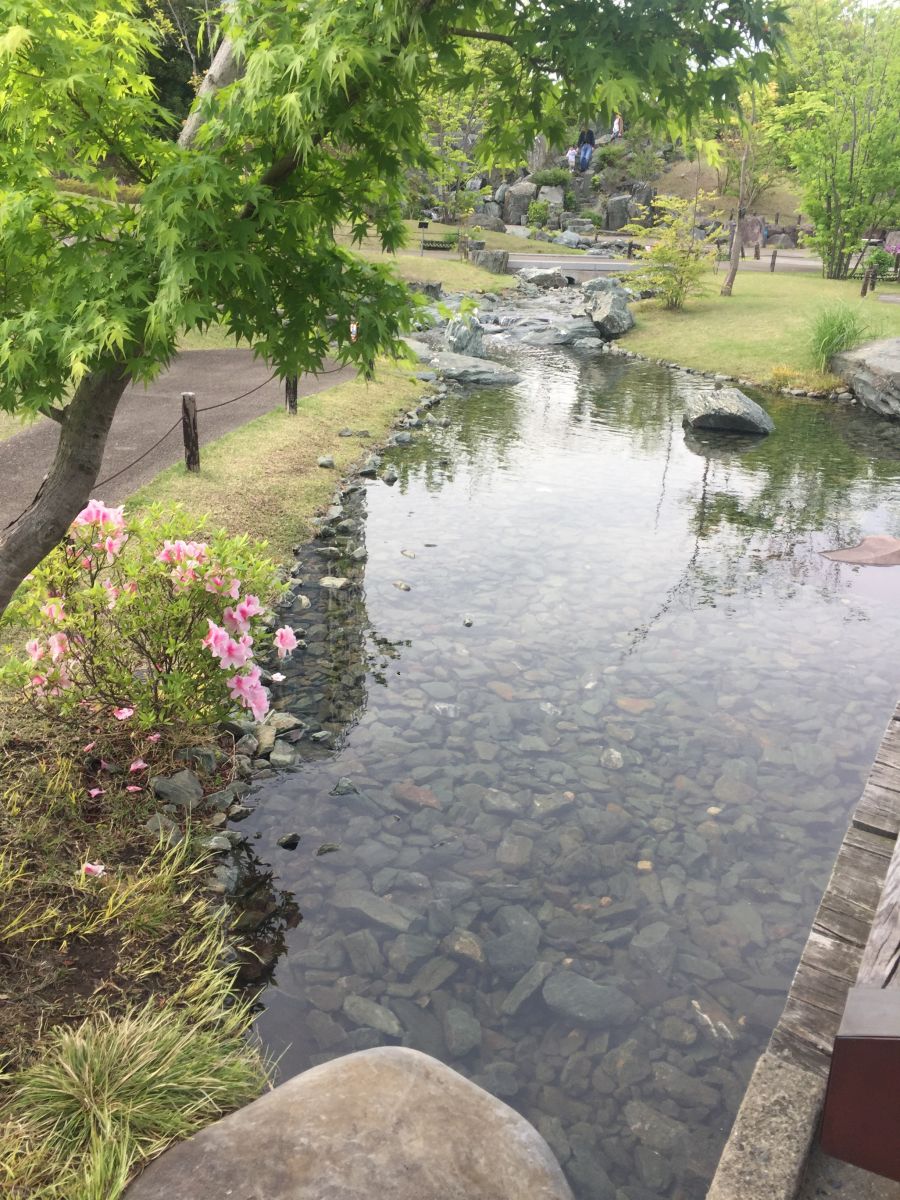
(833, 956)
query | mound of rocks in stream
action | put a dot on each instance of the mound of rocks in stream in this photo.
(386, 1122)
(728, 410)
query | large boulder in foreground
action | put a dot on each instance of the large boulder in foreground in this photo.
(610, 313)
(728, 410)
(516, 201)
(388, 1122)
(873, 373)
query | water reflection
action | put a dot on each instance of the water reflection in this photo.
(634, 765)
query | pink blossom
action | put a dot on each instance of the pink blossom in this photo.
(219, 585)
(277, 677)
(216, 639)
(234, 621)
(239, 686)
(236, 654)
(248, 607)
(112, 592)
(96, 513)
(95, 792)
(179, 551)
(258, 701)
(39, 682)
(93, 869)
(58, 645)
(88, 747)
(113, 546)
(53, 610)
(133, 787)
(35, 650)
(285, 641)
(138, 765)
(153, 737)
(122, 714)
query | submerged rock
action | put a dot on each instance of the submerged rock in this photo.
(579, 999)
(726, 409)
(383, 1122)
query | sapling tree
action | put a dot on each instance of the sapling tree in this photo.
(306, 125)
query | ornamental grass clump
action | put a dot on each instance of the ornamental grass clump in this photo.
(834, 329)
(152, 620)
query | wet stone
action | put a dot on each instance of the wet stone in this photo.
(514, 851)
(580, 999)
(525, 988)
(364, 953)
(410, 948)
(464, 945)
(374, 1016)
(462, 1032)
(378, 910)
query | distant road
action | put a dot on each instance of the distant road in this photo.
(582, 266)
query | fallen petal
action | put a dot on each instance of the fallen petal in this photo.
(94, 792)
(93, 869)
(133, 787)
(138, 765)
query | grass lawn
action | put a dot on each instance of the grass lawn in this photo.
(263, 478)
(761, 333)
(10, 425)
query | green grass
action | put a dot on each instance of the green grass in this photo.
(263, 478)
(835, 328)
(10, 425)
(761, 333)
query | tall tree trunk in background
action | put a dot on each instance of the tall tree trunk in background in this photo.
(736, 240)
(85, 423)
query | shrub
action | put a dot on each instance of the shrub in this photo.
(675, 265)
(141, 620)
(833, 329)
(597, 219)
(538, 213)
(451, 237)
(880, 261)
(611, 155)
(551, 177)
(570, 200)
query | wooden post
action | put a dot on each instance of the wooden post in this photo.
(189, 431)
(873, 278)
(290, 395)
(631, 249)
(756, 251)
(777, 217)
(865, 283)
(772, 263)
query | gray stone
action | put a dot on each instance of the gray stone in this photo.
(580, 999)
(873, 372)
(525, 988)
(654, 1128)
(487, 220)
(501, 1079)
(462, 1032)
(602, 283)
(514, 851)
(365, 953)
(610, 314)
(569, 238)
(408, 948)
(378, 910)
(283, 754)
(543, 277)
(618, 211)
(655, 948)
(554, 196)
(726, 409)
(516, 201)
(325, 461)
(495, 261)
(464, 335)
(464, 369)
(464, 945)
(183, 788)
(361, 1011)
(163, 828)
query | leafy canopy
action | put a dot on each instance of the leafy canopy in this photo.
(317, 133)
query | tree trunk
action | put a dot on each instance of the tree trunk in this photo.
(67, 488)
(86, 421)
(737, 241)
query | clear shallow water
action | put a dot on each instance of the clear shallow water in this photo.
(635, 765)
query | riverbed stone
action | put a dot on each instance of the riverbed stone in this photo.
(580, 999)
(386, 1122)
(525, 988)
(378, 910)
(462, 1032)
(363, 1011)
(727, 410)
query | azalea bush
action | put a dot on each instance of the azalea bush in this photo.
(150, 620)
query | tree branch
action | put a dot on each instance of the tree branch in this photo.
(482, 35)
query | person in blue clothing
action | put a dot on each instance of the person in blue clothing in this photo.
(585, 148)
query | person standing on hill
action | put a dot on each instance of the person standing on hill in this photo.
(585, 148)
(618, 127)
(571, 157)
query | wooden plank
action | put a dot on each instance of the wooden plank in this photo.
(879, 844)
(881, 957)
(832, 956)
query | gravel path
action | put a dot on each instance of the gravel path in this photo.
(144, 415)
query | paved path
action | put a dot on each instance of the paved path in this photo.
(143, 416)
(586, 265)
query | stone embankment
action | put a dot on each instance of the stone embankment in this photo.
(872, 372)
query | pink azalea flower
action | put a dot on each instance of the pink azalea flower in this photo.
(113, 546)
(138, 765)
(39, 682)
(285, 641)
(93, 869)
(97, 513)
(133, 787)
(216, 639)
(248, 607)
(53, 610)
(234, 622)
(35, 650)
(58, 645)
(95, 792)
(122, 714)
(153, 737)
(258, 701)
(236, 654)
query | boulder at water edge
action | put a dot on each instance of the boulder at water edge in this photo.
(610, 313)
(873, 372)
(389, 1123)
(464, 335)
(728, 410)
(495, 261)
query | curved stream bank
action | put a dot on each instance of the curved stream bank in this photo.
(610, 735)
